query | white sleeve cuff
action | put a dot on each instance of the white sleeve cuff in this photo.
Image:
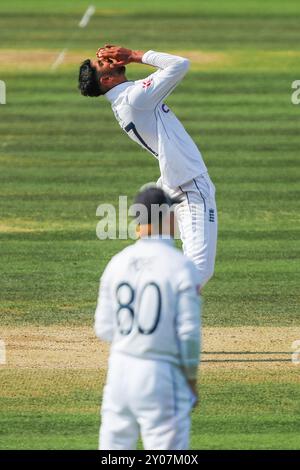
(146, 59)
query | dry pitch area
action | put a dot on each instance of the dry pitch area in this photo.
(59, 347)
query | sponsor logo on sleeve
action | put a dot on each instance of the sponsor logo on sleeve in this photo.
(147, 83)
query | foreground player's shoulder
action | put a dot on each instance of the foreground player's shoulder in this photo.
(117, 260)
(175, 254)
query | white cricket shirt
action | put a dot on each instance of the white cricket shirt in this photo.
(148, 304)
(141, 112)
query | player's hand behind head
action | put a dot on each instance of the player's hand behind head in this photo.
(115, 55)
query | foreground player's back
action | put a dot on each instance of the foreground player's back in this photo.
(141, 289)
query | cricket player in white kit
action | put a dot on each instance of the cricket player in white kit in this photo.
(141, 112)
(149, 309)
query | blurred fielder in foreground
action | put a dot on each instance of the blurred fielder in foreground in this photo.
(141, 112)
(148, 308)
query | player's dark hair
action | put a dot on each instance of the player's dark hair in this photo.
(89, 80)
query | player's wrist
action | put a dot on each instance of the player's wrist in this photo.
(136, 56)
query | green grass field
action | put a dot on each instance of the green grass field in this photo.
(61, 155)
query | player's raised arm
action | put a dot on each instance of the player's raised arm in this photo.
(156, 87)
(103, 316)
(117, 55)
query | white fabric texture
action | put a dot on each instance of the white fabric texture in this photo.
(147, 398)
(149, 309)
(198, 223)
(140, 307)
(141, 112)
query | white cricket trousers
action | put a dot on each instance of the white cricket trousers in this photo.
(197, 222)
(148, 398)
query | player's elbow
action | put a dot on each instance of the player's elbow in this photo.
(190, 333)
(185, 64)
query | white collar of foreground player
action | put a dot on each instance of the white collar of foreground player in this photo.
(114, 92)
(158, 238)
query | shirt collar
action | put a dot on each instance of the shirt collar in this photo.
(114, 92)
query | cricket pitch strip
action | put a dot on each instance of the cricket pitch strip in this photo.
(62, 347)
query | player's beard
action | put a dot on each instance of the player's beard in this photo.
(120, 70)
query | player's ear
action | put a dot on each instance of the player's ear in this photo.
(104, 80)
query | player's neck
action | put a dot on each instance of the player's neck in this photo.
(122, 79)
(148, 231)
